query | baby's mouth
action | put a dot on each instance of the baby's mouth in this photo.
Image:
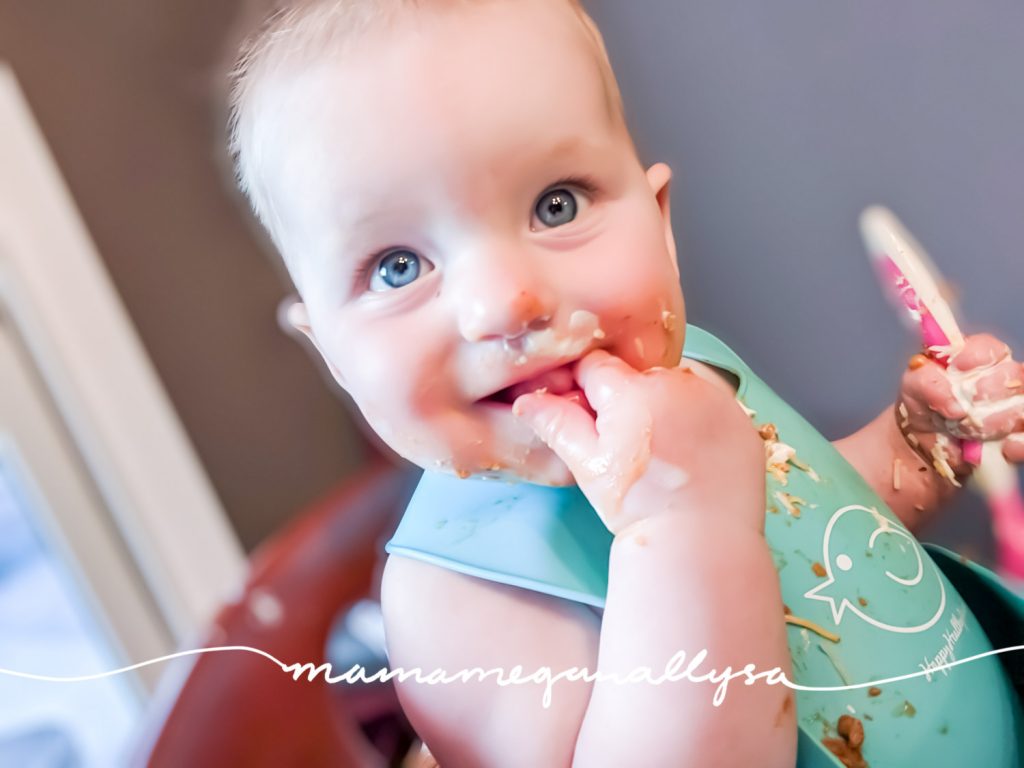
(556, 381)
(569, 344)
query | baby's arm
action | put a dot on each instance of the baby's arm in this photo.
(676, 471)
(686, 583)
(438, 619)
(909, 455)
(911, 487)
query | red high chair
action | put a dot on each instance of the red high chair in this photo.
(239, 709)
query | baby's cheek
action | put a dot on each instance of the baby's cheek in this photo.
(652, 327)
(650, 305)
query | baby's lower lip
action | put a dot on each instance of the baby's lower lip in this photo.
(575, 395)
(557, 381)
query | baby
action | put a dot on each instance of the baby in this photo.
(490, 273)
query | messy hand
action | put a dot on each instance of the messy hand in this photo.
(979, 397)
(663, 442)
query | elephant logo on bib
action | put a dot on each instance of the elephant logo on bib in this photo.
(865, 551)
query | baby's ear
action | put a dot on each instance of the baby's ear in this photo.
(659, 176)
(293, 317)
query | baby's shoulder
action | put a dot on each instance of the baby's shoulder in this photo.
(438, 619)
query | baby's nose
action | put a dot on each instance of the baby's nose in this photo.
(503, 304)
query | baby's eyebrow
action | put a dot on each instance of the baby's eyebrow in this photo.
(567, 146)
(575, 155)
(367, 216)
(368, 231)
(375, 215)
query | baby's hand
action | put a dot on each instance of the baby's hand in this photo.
(979, 397)
(663, 442)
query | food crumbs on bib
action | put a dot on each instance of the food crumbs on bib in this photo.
(819, 569)
(906, 708)
(874, 691)
(792, 503)
(847, 748)
(808, 624)
(862, 602)
(806, 468)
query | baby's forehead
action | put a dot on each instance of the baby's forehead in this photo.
(451, 41)
(415, 86)
(309, 33)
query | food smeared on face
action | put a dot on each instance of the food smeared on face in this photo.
(455, 261)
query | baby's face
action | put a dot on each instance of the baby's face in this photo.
(465, 216)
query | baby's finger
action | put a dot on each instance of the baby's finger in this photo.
(980, 349)
(1003, 381)
(989, 422)
(1013, 448)
(603, 377)
(565, 427)
(927, 384)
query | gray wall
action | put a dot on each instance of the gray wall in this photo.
(781, 119)
(122, 89)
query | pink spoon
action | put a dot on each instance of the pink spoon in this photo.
(912, 282)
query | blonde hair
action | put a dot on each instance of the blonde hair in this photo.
(297, 30)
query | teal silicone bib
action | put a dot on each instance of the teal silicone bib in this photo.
(845, 563)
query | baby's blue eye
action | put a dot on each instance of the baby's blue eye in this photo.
(395, 270)
(556, 207)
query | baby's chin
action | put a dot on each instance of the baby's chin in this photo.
(546, 470)
(534, 463)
